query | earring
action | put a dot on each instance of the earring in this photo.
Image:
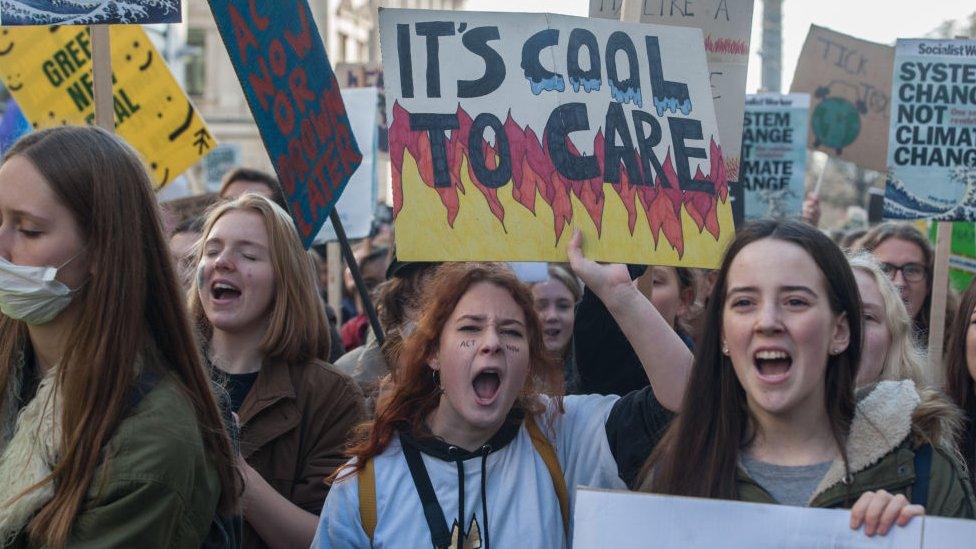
(725, 348)
(435, 376)
(835, 351)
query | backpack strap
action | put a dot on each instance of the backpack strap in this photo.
(548, 455)
(367, 481)
(923, 468)
(367, 498)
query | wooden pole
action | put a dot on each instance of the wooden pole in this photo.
(368, 308)
(630, 11)
(940, 289)
(333, 291)
(102, 77)
(816, 188)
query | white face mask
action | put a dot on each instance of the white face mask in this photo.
(32, 294)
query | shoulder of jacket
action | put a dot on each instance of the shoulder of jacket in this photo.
(321, 375)
(319, 384)
(159, 441)
(936, 420)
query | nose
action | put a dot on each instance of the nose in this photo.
(899, 279)
(491, 343)
(548, 314)
(223, 261)
(769, 320)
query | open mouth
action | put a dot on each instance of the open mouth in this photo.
(773, 366)
(223, 292)
(551, 332)
(486, 385)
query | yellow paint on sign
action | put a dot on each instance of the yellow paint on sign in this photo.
(48, 71)
(477, 234)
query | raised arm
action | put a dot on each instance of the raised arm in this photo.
(664, 356)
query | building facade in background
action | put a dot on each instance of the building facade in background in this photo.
(197, 56)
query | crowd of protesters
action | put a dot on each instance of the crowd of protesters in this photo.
(200, 392)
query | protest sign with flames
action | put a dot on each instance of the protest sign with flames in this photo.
(502, 140)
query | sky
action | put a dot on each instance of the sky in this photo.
(876, 20)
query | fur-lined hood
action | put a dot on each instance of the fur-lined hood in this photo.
(888, 413)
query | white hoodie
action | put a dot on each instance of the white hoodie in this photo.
(523, 510)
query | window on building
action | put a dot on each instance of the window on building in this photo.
(195, 71)
(343, 44)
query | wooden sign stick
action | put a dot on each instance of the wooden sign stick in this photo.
(630, 11)
(333, 292)
(940, 288)
(102, 77)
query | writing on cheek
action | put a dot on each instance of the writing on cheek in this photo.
(467, 344)
(512, 348)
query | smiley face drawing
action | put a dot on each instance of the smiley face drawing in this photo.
(162, 178)
(144, 61)
(5, 46)
(163, 125)
(14, 82)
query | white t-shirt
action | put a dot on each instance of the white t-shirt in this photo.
(523, 510)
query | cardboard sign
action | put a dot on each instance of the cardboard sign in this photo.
(279, 58)
(359, 75)
(849, 82)
(367, 75)
(555, 122)
(358, 201)
(224, 158)
(932, 141)
(13, 125)
(88, 12)
(774, 154)
(49, 72)
(727, 29)
(622, 520)
(962, 258)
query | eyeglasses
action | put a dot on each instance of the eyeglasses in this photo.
(913, 272)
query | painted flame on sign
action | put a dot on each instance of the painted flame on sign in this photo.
(534, 174)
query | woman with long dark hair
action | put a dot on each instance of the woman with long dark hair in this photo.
(770, 413)
(961, 374)
(109, 433)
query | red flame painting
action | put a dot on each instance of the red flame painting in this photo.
(726, 45)
(533, 173)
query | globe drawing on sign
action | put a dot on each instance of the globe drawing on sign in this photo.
(836, 122)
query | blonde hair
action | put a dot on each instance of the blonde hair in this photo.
(904, 359)
(564, 275)
(298, 331)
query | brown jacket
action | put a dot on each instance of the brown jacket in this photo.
(295, 422)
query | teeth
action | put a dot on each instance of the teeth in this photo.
(772, 355)
(222, 286)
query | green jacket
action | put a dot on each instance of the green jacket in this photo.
(156, 487)
(891, 421)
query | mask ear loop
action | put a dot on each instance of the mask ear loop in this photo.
(72, 258)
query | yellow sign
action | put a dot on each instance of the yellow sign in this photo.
(504, 166)
(49, 72)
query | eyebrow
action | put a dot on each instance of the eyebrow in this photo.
(753, 289)
(482, 318)
(236, 242)
(23, 213)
